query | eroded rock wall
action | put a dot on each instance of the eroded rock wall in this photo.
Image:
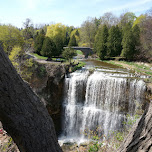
(47, 82)
(140, 137)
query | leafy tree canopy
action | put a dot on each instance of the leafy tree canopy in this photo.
(69, 53)
(9, 37)
(57, 32)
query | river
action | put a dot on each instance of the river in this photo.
(99, 97)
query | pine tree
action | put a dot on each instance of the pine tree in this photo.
(136, 35)
(100, 42)
(128, 43)
(114, 42)
(49, 48)
(72, 41)
(39, 43)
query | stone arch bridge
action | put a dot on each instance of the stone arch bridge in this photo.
(85, 50)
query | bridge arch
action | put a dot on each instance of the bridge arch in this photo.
(85, 50)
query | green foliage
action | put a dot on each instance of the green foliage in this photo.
(79, 52)
(48, 48)
(139, 20)
(42, 71)
(9, 37)
(69, 53)
(15, 57)
(95, 144)
(87, 32)
(114, 42)
(101, 42)
(22, 65)
(130, 42)
(126, 18)
(72, 41)
(78, 66)
(57, 32)
(131, 120)
(39, 43)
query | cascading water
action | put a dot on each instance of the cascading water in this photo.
(98, 100)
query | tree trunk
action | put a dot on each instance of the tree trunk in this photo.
(22, 114)
(140, 137)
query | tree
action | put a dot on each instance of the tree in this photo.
(126, 18)
(130, 42)
(48, 48)
(101, 42)
(39, 43)
(76, 34)
(139, 20)
(22, 113)
(146, 38)
(21, 64)
(9, 37)
(57, 32)
(109, 19)
(87, 32)
(15, 57)
(28, 31)
(68, 54)
(72, 41)
(69, 29)
(28, 34)
(114, 42)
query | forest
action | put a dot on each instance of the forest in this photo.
(128, 37)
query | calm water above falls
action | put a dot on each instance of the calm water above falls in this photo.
(99, 99)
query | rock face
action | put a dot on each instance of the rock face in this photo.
(22, 114)
(140, 137)
(47, 82)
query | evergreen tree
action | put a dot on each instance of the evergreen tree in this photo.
(57, 32)
(72, 41)
(100, 42)
(136, 34)
(114, 42)
(128, 43)
(48, 48)
(38, 43)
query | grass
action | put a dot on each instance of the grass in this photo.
(112, 62)
(79, 52)
(137, 67)
(80, 65)
(39, 57)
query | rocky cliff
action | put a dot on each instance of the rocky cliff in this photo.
(140, 137)
(47, 82)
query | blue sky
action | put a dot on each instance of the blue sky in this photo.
(68, 12)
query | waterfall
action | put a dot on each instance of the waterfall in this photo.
(98, 100)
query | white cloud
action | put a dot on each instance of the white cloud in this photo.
(132, 6)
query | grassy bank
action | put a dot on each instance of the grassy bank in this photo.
(76, 64)
(137, 67)
(38, 56)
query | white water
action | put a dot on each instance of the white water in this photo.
(98, 100)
